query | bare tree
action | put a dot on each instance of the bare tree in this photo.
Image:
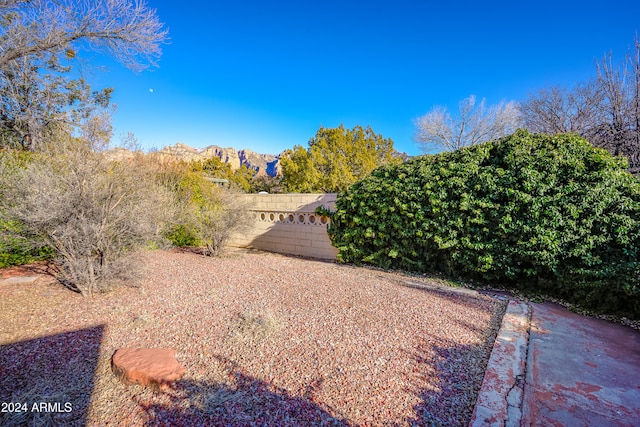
(562, 110)
(606, 110)
(474, 124)
(125, 29)
(38, 40)
(619, 132)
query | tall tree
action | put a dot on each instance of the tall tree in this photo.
(474, 124)
(563, 110)
(606, 110)
(335, 159)
(38, 40)
(37, 104)
(619, 133)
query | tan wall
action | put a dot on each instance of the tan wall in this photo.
(287, 223)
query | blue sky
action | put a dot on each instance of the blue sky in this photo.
(266, 75)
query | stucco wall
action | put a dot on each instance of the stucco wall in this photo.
(287, 223)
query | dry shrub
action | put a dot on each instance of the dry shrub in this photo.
(93, 212)
(222, 215)
(209, 215)
(252, 326)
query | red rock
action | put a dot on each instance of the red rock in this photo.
(156, 368)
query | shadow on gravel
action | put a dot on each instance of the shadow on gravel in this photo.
(28, 368)
(245, 401)
(459, 369)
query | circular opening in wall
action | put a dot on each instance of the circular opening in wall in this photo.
(281, 217)
(324, 219)
(301, 218)
(291, 218)
(262, 216)
(312, 219)
(272, 217)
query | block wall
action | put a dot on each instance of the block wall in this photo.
(288, 224)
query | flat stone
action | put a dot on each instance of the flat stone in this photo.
(156, 368)
(20, 280)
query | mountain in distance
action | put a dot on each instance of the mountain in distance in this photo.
(262, 164)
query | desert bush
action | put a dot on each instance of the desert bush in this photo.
(94, 213)
(14, 248)
(222, 215)
(549, 214)
(208, 214)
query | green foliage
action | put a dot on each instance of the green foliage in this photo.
(189, 185)
(216, 168)
(208, 214)
(270, 184)
(300, 173)
(241, 178)
(213, 167)
(182, 235)
(335, 159)
(15, 250)
(549, 214)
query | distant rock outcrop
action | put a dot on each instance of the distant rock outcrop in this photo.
(263, 164)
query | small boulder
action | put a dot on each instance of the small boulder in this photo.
(156, 368)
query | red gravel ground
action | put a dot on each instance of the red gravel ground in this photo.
(265, 339)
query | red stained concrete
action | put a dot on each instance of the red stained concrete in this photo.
(581, 371)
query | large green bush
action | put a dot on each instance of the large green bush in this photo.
(550, 214)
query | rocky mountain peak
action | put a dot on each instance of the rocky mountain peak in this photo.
(263, 164)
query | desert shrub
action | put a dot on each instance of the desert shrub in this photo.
(548, 214)
(208, 214)
(14, 248)
(94, 213)
(182, 235)
(222, 215)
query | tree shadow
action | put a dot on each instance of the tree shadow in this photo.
(29, 369)
(470, 299)
(460, 371)
(49, 268)
(241, 401)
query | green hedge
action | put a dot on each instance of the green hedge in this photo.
(548, 214)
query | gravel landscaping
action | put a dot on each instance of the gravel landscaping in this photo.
(265, 339)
